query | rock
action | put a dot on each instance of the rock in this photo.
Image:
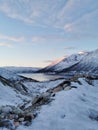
(11, 116)
(35, 100)
(57, 89)
(2, 116)
(67, 88)
(17, 111)
(7, 124)
(16, 124)
(53, 94)
(21, 119)
(28, 118)
(42, 99)
(60, 87)
(27, 123)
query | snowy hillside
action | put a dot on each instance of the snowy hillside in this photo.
(65, 63)
(9, 74)
(88, 64)
(9, 96)
(21, 69)
(74, 103)
(75, 109)
(60, 104)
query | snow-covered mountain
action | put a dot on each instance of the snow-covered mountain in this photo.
(89, 63)
(21, 69)
(9, 75)
(64, 63)
(81, 62)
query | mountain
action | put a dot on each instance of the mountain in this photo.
(9, 75)
(21, 69)
(89, 64)
(84, 62)
(64, 63)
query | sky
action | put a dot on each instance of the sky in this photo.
(37, 32)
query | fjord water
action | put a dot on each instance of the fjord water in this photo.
(40, 76)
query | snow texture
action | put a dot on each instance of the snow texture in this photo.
(71, 110)
(66, 62)
(9, 96)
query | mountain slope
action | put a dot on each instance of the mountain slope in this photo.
(9, 95)
(21, 69)
(70, 110)
(65, 63)
(89, 63)
(9, 75)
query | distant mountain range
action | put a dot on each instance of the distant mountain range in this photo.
(15, 69)
(81, 62)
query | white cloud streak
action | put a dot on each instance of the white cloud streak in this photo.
(68, 15)
(69, 48)
(11, 38)
(2, 44)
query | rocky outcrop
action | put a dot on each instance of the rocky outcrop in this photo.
(60, 87)
(11, 117)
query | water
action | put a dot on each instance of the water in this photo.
(41, 76)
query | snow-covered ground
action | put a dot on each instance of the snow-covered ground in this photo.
(74, 109)
(9, 96)
(39, 87)
(9, 74)
(71, 110)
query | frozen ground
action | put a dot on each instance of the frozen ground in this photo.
(75, 109)
(71, 110)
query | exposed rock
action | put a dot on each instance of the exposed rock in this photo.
(16, 124)
(42, 99)
(60, 87)
(7, 124)
(21, 119)
(28, 118)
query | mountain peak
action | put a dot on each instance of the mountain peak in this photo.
(82, 61)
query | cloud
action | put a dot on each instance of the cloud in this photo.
(69, 48)
(49, 61)
(5, 45)
(48, 38)
(11, 38)
(38, 39)
(68, 28)
(75, 17)
(84, 27)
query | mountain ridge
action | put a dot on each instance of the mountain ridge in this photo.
(80, 62)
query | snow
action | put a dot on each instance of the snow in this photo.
(88, 64)
(67, 62)
(84, 62)
(70, 110)
(21, 69)
(35, 88)
(8, 96)
(9, 74)
(90, 61)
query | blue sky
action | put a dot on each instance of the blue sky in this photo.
(37, 32)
